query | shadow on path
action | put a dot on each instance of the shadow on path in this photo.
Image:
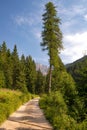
(28, 117)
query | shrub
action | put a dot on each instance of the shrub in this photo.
(57, 112)
(10, 101)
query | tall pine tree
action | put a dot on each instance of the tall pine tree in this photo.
(51, 37)
(16, 67)
(21, 82)
(30, 74)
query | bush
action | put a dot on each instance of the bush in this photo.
(57, 112)
(10, 101)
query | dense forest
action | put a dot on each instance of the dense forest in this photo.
(78, 70)
(66, 106)
(19, 73)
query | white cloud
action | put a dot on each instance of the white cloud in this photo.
(75, 45)
(85, 17)
(78, 10)
(37, 33)
(72, 11)
(30, 19)
(77, 38)
(71, 17)
(23, 20)
(67, 26)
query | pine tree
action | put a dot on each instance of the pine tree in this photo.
(30, 74)
(2, 80)
(56, 74)
(6, 64)
(8, 70)
(40, 83)
(21, 82)
(16, 67)
(3, 63)
(51, 37)
(3, 54)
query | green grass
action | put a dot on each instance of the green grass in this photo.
(10, 101)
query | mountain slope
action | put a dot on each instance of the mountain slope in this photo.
(42, 68)
(81, 60)
(78, 70)
(77, 66)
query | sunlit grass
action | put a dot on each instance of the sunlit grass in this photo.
(10, 100)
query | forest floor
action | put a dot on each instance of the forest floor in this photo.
(28, 117)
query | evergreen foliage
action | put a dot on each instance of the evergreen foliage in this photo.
(58, 113)
(40, 83)
(16, 67)
(2, 79)
(51, 37)
(66, 105)
(19, 73)
(22, 85)
(78, 70)
(8, 70)
(30, 74)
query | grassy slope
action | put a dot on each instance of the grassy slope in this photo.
(10, 101)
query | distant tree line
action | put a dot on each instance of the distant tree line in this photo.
(19, 73)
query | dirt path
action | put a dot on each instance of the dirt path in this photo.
(27, 117)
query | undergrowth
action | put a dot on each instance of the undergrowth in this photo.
(10, 101)
(57, 112)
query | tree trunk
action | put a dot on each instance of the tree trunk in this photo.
(50, 78)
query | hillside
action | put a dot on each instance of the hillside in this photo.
(10, 100)
(81, 60)
(77, 66)
(78, 70)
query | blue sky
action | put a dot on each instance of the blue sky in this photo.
(21, 24)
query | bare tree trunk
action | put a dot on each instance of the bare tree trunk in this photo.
(50, 78)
